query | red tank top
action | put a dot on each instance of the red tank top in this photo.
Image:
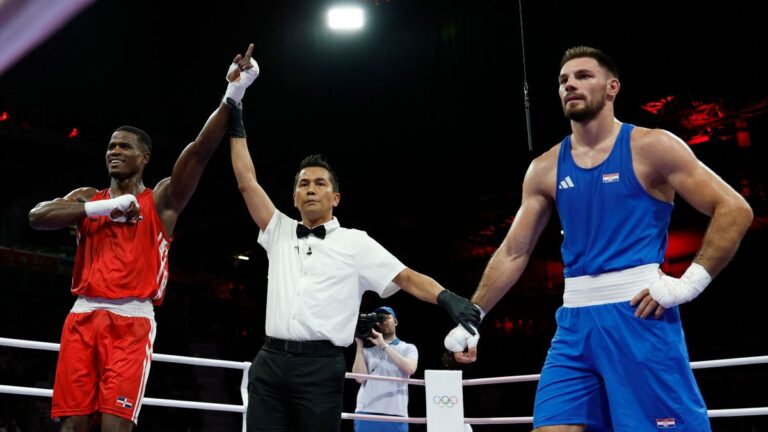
(116, 260)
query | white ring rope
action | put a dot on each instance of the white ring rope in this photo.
(500, 380)
(196, 361)
(32, 391)
(742, 361)
(393, 419)
(386, 378)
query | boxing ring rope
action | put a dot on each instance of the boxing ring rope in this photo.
(194, 361)
(243, 366)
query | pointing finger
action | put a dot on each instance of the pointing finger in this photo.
(249, 53)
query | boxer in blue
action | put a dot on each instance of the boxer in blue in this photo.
(613, 185)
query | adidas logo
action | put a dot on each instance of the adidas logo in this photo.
(566, 183)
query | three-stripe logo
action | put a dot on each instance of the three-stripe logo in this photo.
(566, 183)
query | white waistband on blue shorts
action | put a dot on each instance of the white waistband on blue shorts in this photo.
(130, 307)
(612, 287)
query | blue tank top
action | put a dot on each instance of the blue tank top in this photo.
(610, 222)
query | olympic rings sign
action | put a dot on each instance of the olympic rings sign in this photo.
(445, 401)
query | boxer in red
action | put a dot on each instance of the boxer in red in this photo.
(121, 267)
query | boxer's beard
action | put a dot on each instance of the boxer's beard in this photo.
(586, 112)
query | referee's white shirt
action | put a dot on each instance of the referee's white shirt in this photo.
(315, 286)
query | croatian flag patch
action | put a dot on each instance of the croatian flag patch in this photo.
(610, 178)
(124, 402)
(665, 423)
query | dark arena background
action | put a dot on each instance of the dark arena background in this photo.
(421, 113)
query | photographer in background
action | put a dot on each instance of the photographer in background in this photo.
(389, 356)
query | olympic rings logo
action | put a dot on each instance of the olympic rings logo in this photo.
(445, 401)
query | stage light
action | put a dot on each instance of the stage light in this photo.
(345, 18)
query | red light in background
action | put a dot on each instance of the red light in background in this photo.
(681, 248)
(683, 243)
(702, 114)
(4, 116)
(508, 326)
(73, 133)
(742, 134)
(657, 107)
(698, 139)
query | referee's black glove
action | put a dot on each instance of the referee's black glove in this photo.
(460, 309)
(236, 127)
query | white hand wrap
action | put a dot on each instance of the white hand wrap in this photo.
(482, 312)
(106, 207)
(459, 339)
(236, 89)
(669, 291)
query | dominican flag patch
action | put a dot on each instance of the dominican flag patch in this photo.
(665, 423)
(124, 402)
(610, 178)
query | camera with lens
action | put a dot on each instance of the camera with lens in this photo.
(365, 323)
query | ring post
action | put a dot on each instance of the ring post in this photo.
(445, 401)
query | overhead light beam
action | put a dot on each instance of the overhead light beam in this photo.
(346, 18)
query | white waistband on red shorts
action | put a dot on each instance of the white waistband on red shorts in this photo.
(131, 306)
(612, 287)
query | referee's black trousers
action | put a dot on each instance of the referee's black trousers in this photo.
(296, 390)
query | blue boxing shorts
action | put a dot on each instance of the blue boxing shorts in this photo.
(612, 371)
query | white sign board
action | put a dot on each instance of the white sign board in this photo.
(445, 401)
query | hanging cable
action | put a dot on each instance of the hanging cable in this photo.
(526, 101)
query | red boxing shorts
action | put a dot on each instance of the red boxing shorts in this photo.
(103, 364)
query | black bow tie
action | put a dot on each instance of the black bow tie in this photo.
(303, 231)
